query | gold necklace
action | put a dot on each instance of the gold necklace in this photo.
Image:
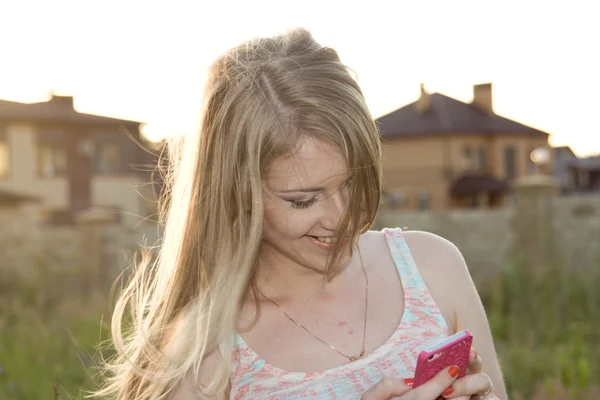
(362, 352)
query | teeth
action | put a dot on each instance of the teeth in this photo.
(327, 239)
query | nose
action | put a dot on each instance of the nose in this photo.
(333, 209)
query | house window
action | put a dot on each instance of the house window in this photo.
(52, 160)
(424, 200)
(108, 159)
(4, 156)
(480, 161)
(510, 167)
(467, 157)
(395, 199)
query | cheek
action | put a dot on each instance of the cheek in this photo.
(285, 221)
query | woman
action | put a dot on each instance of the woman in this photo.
(268, 283)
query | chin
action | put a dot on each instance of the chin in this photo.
(321, 252)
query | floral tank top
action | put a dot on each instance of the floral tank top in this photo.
(421, 325)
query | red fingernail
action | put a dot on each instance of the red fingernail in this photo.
(409, 381)
(453, 371)
(448, 391)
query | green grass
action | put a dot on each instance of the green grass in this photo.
(546, 326)
(47, 358)
(50, 328)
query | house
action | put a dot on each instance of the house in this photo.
(564, 158)
(583, 175)
(441, 153)
(79, 165)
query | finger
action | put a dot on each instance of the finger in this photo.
(386, 388)
(437, 385)
(472, 355)
(475, 363)
(469, 385)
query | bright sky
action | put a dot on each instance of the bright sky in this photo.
(146, 60)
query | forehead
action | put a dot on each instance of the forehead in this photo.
(314, 163)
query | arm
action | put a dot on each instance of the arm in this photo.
(446, 274)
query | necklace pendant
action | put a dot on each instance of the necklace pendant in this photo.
(354, 358)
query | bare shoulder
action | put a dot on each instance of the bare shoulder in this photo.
(435, 252)
(372, 239)
(444, 271)
(374, 247)
(430, 251)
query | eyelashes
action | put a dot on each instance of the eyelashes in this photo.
(302, 204)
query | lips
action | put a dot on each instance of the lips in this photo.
(321, 244)
(326, 239)
(326, 242)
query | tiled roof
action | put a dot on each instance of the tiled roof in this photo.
(447, 115)
(57, 109)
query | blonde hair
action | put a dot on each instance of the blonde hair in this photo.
(262, 98)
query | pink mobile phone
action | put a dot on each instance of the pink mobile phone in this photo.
(453, 350)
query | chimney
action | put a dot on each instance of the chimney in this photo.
(62, 101)
(424, 102)
(482, 97)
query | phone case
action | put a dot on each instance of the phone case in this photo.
(452, 351)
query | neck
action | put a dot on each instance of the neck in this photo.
(280, 278)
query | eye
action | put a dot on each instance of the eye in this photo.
(303, 203)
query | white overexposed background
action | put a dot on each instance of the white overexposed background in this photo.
(146, 60)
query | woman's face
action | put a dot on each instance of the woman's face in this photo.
(305, 195)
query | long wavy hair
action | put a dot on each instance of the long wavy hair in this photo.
(261, 100)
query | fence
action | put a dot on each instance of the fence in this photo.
(538, 227)
(28, 248)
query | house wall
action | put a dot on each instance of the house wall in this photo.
(414, 165)
(24, 177)
(523, 147)
(494, 148)
(121, 137)
(126, 191)
(135, 197)
(563, 159)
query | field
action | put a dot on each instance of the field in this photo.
(546, 326)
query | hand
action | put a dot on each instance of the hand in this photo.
(475, 385)
(390, 387)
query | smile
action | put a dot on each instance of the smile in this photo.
(328, 239)
(326, 242)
